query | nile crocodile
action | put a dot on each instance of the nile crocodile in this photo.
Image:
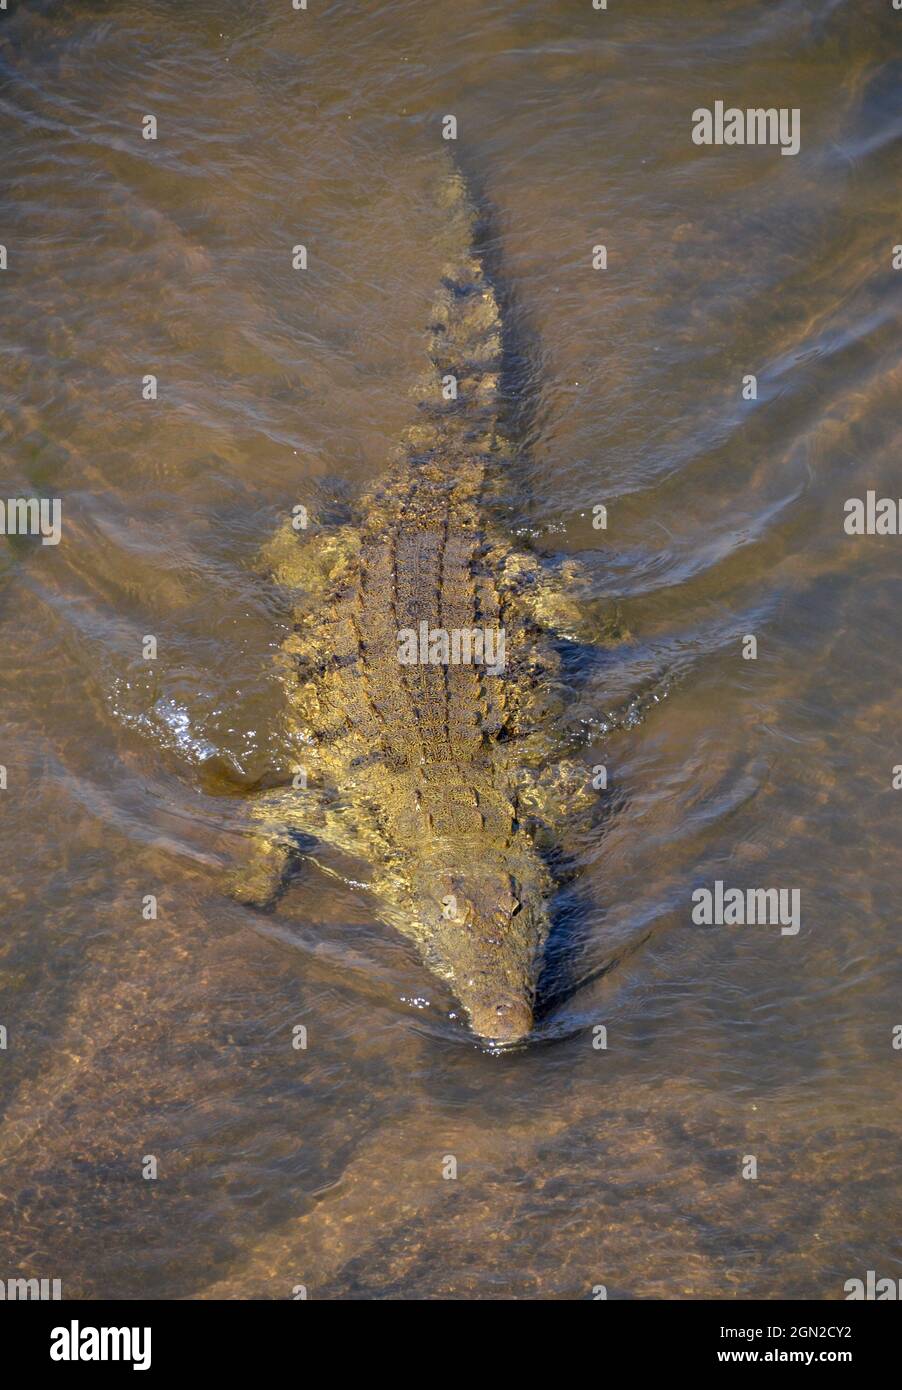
(436, 772)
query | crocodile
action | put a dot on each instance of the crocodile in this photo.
(438, 773)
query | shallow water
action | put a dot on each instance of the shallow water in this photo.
(576, 1166)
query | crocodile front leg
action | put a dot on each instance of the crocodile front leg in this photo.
(279, 818)
(285, 822)
(559, 793)
(259, 879)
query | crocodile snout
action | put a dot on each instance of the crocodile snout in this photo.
(507, 1021)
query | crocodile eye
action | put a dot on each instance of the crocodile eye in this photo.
(505, 911)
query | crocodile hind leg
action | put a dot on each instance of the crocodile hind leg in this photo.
(553, 594)
(560, 601)
(309, 564)
(308, 560)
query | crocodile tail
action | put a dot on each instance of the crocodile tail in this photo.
(465, 327)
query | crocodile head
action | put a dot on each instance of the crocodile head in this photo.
(484, 933)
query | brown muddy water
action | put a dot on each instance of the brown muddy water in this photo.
(577, 1165)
